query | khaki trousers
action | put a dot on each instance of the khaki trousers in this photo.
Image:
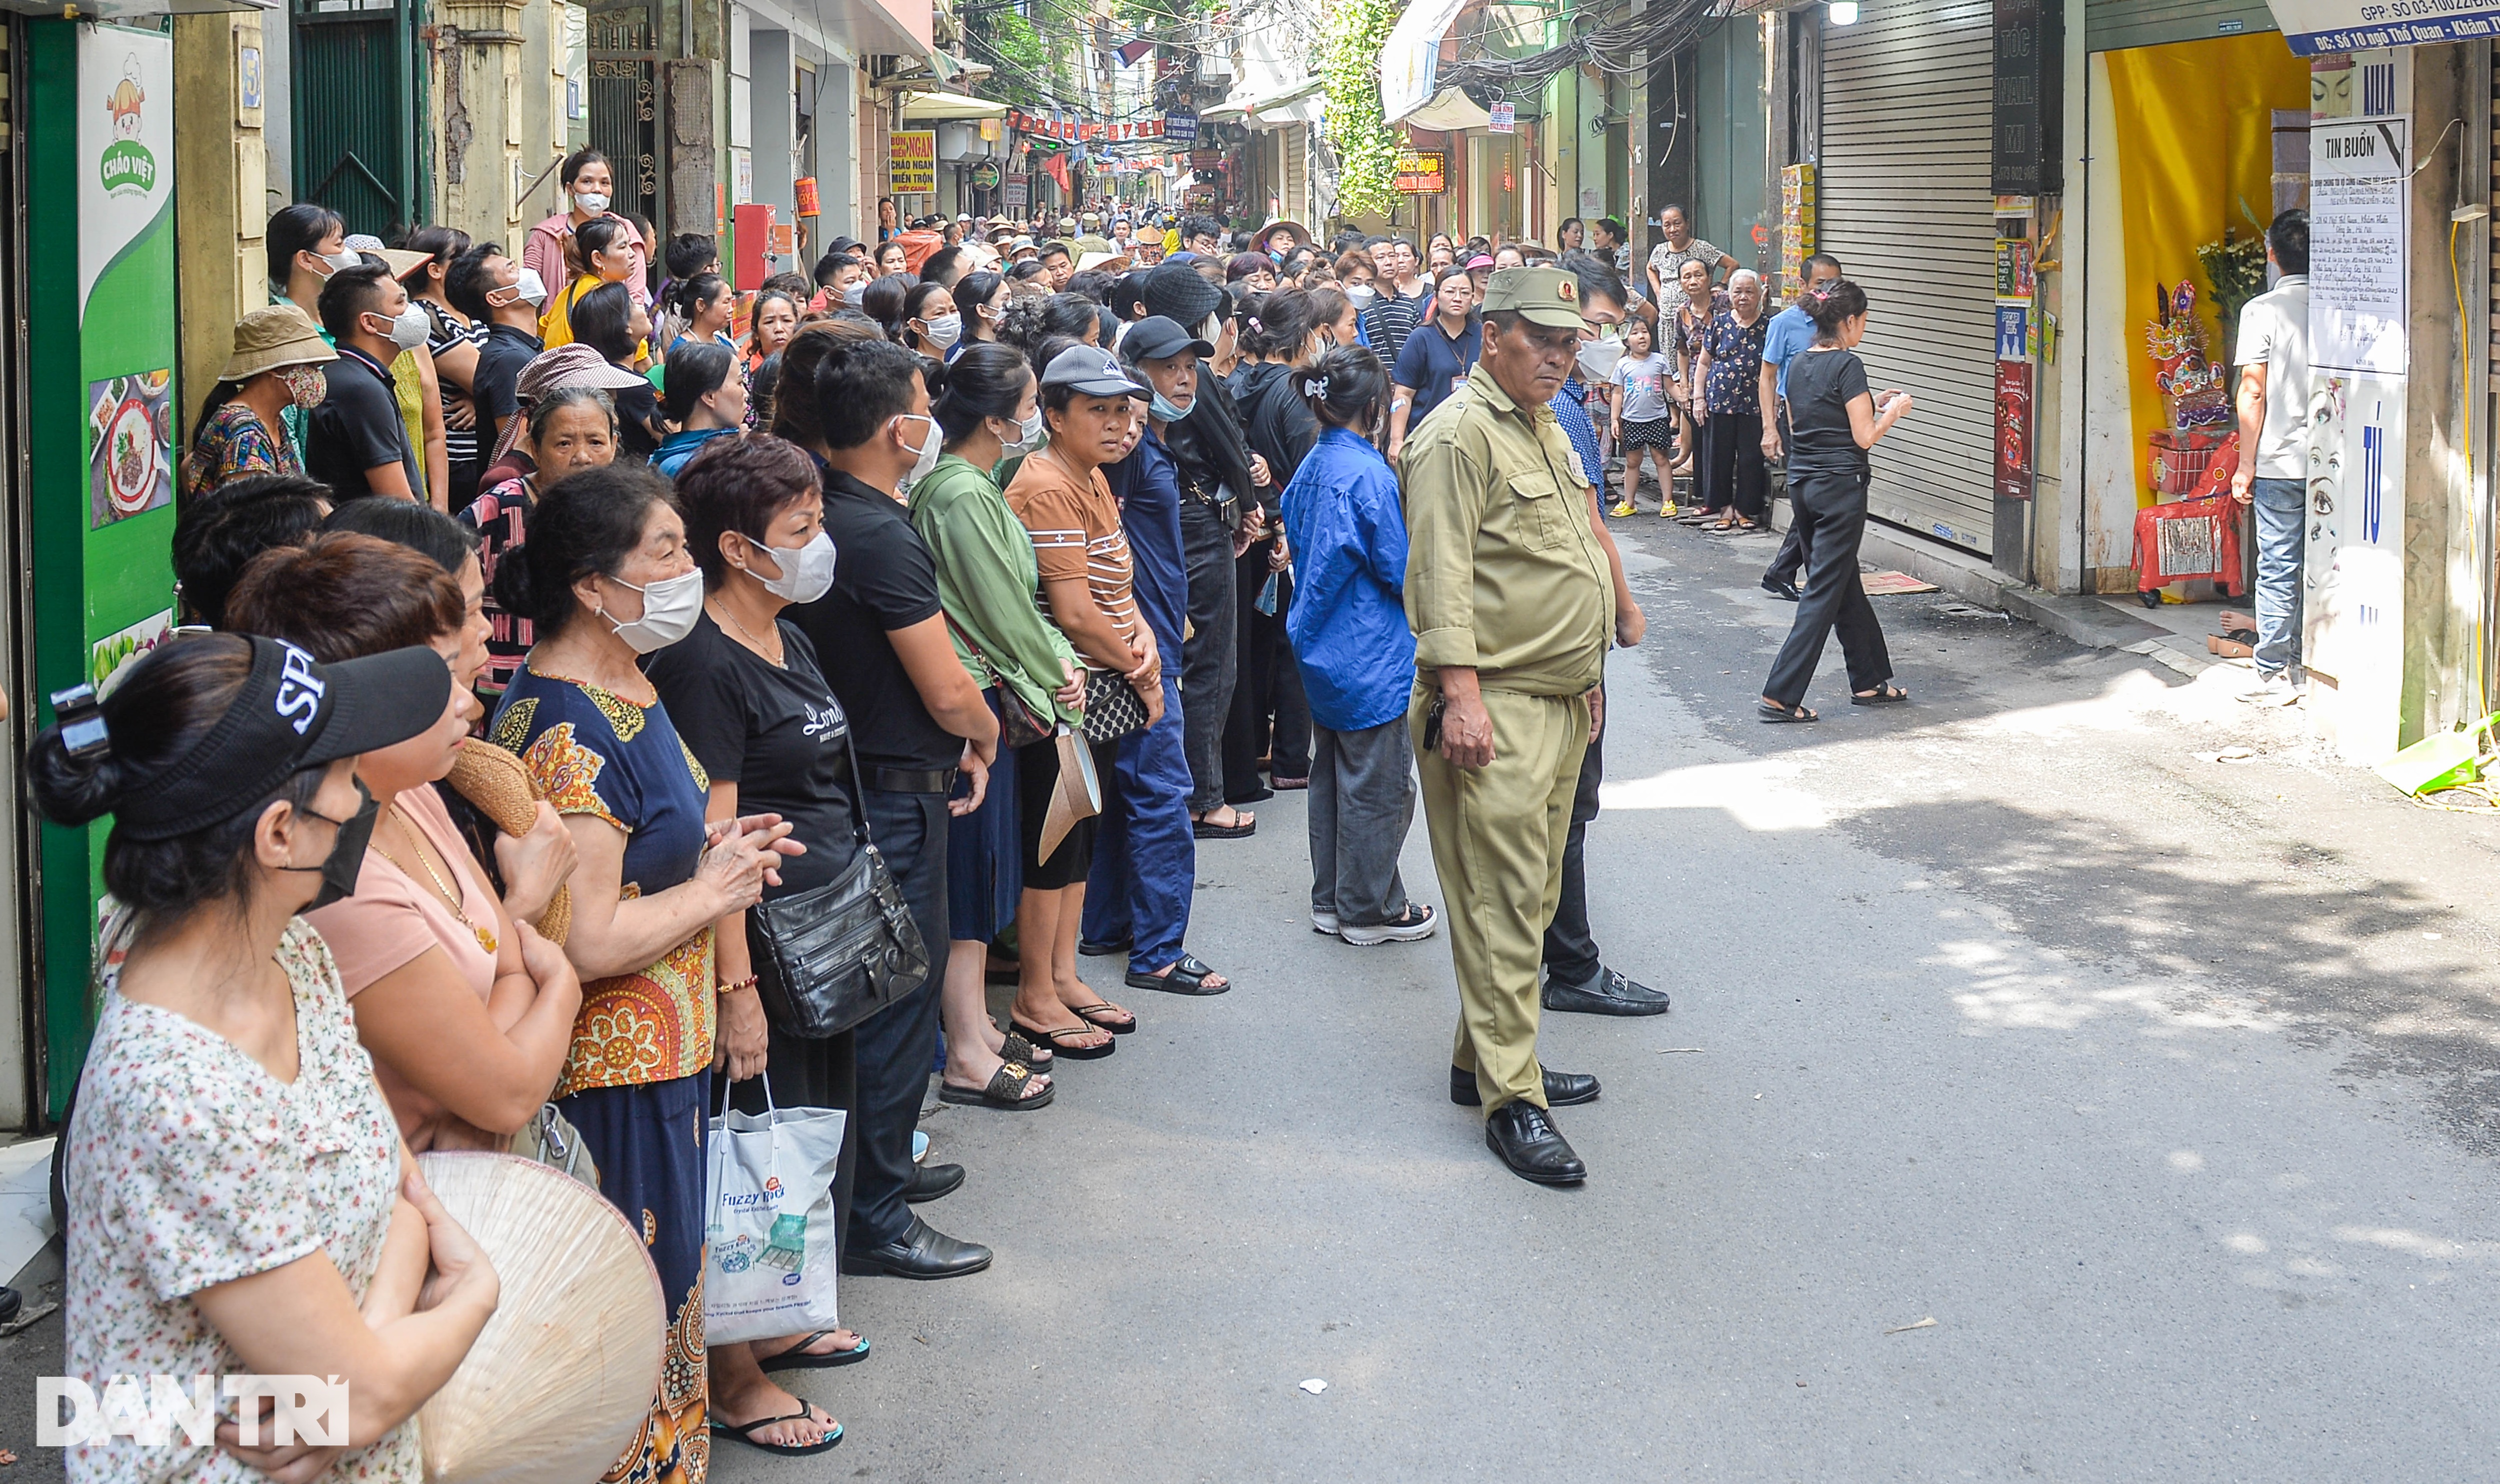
(1498, 834)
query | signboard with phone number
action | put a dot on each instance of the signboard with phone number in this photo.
(2326, 27)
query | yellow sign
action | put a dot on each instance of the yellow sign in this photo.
(1420, 172)
(914, 154)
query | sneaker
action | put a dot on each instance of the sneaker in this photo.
(2276, 690)
(1621, 507)
(1414, 925)
(1324, 922)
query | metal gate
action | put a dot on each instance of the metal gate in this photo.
(356, 95)
(2112, 24)
(625, 104)
(1903, 203)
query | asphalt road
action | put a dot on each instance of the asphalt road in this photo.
(2163, 1086)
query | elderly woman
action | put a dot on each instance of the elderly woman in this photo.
(239, 1200)
(467, 1011)
(1731, 431)
(751, 702)
(241, 428)
(606, 578)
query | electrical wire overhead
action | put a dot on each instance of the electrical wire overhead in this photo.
(1604, 36)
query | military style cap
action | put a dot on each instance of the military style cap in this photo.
(1542, 296)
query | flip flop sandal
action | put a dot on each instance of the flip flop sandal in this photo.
(1019, 1049)
(1086, 1013)
(807, 1412)
(1772, 716)
(797, 1357)
(1038, 1036)
(1189, 976)
(1886, 695)
(1006, 1091)
(1288, 785)
(1236, 831)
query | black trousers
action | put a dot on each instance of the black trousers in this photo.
(1571, 949)
(1209, 661)
(895, 1047)
(1271, 715)
(1731, 467)
(1791, 557)
(1832, 507)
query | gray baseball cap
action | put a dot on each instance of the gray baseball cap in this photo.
(1092, 371)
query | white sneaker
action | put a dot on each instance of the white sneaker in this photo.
(1324, 922)
(2276, 690)
(1417, 924)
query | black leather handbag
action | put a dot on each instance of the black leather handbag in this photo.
(830, 956)
(1112, 707)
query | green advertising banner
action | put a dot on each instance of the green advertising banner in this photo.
(101, 346)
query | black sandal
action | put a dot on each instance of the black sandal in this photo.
(1242, 829)
(1085, 1012)
(1019, 1049)
(1771, 714)
(1004, 1091)
(1886, 695)
(745, 1432)
(1080, 1053)
(798, 1358)
(1187, 976)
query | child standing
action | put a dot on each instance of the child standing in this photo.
(1643, 421)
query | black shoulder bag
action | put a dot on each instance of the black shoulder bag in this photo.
(829, 958)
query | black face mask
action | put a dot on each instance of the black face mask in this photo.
(347, 858)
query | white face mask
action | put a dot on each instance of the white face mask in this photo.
(944, 331)
(591, 202)
(1362, 294)
(1599, 357)
(1028, 435)
(930, 448)
(669, 609)
(338, 261)
(806, 571)
(855, 295)
(525, 288)
(410, 329)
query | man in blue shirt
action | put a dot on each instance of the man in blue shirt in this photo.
(1436, 358)
(1145, 855)
(1791, 331)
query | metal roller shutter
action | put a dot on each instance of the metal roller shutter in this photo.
(2112, 24)
(1903, 202)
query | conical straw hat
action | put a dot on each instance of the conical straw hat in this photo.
(494, 780)
(562, 1377)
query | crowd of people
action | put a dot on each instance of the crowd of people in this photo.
(1002, 569)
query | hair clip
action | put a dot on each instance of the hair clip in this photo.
(1316, 389)
(81, 723)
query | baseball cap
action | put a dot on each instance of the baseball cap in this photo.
(1156, 337)
(1541, 296)
(293, 712)
(1092, 371)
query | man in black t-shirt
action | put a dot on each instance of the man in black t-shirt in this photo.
(917, 719)
(486, 285)
(358, 443)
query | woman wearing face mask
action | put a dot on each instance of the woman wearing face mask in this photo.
(931, 325)
(242, 429)
(1269, 717)
(986, 577)
(606, 579)
(706, 399)
(749, 696)
(982, 297)
(305, 244)
(607, 256)
(568, 423)
(589, 184)
(468, 1012)
(197, 1245)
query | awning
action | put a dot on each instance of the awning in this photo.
(1411, 57)
(1450, 111)
(926, 108)
(1296, 102)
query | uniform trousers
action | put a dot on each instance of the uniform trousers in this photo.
(1209, 654)
(1832, 507)
(1145, 855)
(1499, 837)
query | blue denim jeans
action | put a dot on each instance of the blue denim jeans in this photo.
(2283, 518)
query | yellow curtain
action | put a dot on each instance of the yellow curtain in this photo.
(2196, 138)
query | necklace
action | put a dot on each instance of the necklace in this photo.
(761, 648)
(486, 938)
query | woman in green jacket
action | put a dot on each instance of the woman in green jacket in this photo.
(986, 579)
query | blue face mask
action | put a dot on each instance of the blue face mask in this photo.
(1165, 412)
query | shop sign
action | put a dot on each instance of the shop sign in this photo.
(2326, 28)
(985, 175)
(1505, 119)
(914, 154)
(1421, 171)
(1018, 195)
(126, 198)
(1180, 126)
(2027, 101)
(2357, 233)
(2013, 429)
(1206, 162)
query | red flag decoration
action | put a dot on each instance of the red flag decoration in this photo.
(1135, 50)
(1057, 167)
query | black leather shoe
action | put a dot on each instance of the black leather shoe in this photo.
(1528, 1141)
(1607, 992)
(921, 1252)
(930, 1181)
(1562, 1089)
(1779, 587)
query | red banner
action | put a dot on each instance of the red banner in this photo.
(1074, 129)
(2014, 430)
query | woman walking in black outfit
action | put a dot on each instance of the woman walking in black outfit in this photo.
(1834, 419)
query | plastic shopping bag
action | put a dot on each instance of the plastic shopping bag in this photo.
(768, 1262)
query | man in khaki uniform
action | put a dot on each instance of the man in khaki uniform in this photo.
(1513, 593)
